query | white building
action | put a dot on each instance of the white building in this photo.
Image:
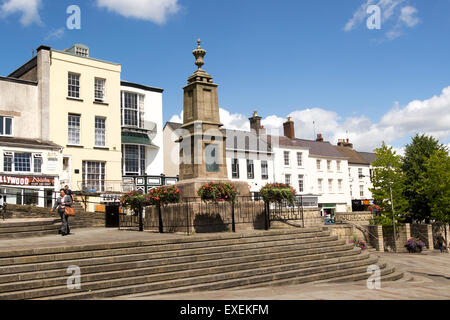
(29, 166)
(142, 130)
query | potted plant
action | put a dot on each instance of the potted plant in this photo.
(278, 192)
(414, 245)
(218, 192)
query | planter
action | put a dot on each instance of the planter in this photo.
(414, 250)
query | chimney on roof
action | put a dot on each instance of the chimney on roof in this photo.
(255, 124)
(319, 138)
(345, 143)
(289, 129)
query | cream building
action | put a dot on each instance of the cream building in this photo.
(79, 109)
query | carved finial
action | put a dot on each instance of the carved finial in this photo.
(255, 114)
(199, 54)
(289, 119)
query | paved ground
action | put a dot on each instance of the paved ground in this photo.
(428, 274)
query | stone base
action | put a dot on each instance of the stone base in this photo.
(189, 188)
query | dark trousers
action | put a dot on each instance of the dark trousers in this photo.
(65, 229)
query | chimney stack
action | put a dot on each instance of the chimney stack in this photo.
(345, 143)
(289, 129)
(319, 138)
(255, 124)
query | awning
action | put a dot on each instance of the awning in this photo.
(136, 138)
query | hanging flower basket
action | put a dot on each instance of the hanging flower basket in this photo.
(163, 196)
(217, 192)
(278, 192)
(135, 200)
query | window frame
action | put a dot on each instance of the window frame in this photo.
(287, 179)
(3, 127)
(98, 131)
(102, 90)
(140, 160)
(235, 168)
(102, 172)
(71, 85)
(287, 158)
(69, 142)
(264, 170)
(250, 169)
(301, 186)
(300, 159)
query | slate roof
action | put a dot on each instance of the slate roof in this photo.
(173, 125)
(353, 156)
(316, 148)
(369, 156)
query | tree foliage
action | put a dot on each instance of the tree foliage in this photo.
(387, 176)
(417, 154)
(435, 187)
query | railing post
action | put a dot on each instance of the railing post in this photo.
(145, 183)
(141, 220)
(267, 215)
(163, 179)
(161, 227)
(233, 222)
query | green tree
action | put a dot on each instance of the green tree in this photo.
(387, 177)
(436, 185)
(416, 155)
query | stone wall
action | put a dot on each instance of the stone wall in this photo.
(424, 232)
(346, 232)
(361, 218)
(81, 220)
(403, 234)
(376, 239)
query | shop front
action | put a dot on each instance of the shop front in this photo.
(329, 213)
(28, 190)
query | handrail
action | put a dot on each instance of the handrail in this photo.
(360, 228)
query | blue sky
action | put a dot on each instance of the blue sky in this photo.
(287, 57)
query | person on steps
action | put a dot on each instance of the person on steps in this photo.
(60, 204)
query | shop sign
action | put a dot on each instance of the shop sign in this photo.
(27, 181)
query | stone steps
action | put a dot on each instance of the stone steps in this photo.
(211, 262)
(27, 228)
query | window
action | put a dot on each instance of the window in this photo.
(264, 170)
(351, 191)
(360, 173)
(247, 143)
(235, 143)
(338, 166)
(299, 159)
(74, 130)
(301, 183)
(133, 109)
(340, 185)
(318, 163)
(361, 191)
(330, 185)
(22, 162)
(100, 132)
(74, 85)
(5, 126)
(133, 160)
(235, 168)
(7, 161)
(320, 185)
(37, 163)
(100, 90)
(250, 169)
(329, 165)
(288, 179)
(94, 176)
(287, 161)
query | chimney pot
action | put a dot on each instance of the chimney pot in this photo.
(319, 138)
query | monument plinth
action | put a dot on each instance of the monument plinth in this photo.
(203, 145)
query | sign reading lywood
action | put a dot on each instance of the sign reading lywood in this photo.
(27, 181)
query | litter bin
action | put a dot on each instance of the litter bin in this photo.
(112, 215)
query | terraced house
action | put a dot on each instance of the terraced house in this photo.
(78, 109)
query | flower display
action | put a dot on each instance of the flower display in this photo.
(414, 245)
(135, 200)
(217, 192)
(359, 244)
(278, 192)
(163, 195)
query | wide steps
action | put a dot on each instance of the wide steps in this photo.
(176, 264)
(24, 229)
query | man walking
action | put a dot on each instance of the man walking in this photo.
(441, 243)
(61, 203)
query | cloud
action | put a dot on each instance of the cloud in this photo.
(29, 9)
(56, 34)
(151, 10)
(430, 116)
(395, 16)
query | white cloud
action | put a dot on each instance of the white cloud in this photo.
(152, 10)
(56, 34)
(395, 16)
(29, 9)
(430, 116)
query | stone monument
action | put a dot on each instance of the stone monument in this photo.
(203, 144)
